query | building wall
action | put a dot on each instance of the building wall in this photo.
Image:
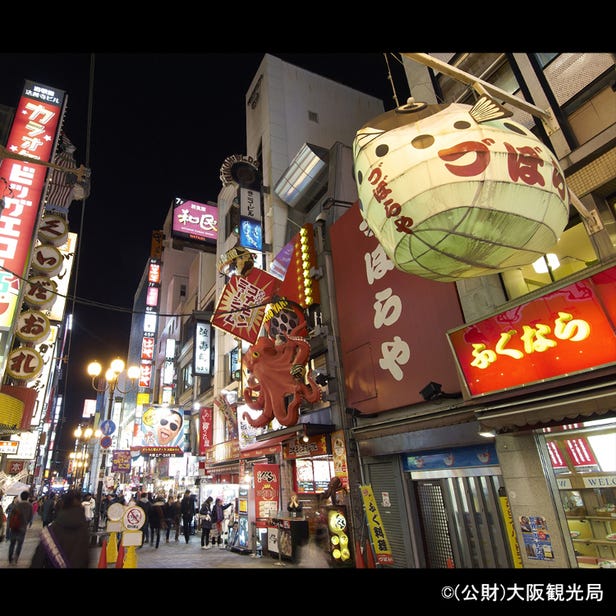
(280, 123)
(530, 491)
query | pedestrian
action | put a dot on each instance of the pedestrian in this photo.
(205, 514)
(65, 543)
(218, 517)
(35, 506)
(144, 502)
(48, 509)
(19, 520)
(187, 508)
(157, 518)
(89, 505)
(173, 514)
(2, 523)
(9, 508)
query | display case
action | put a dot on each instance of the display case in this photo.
(584, 464)
(589, 502)
(287, 534)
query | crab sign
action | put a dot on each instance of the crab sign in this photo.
(276, 370)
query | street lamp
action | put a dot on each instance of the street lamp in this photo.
(100, 385)
(80, 458)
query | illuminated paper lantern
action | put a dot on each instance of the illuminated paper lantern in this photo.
(453, 191)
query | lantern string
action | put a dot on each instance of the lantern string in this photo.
(393, 87)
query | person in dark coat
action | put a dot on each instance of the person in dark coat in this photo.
(218, 517)
(22, 512)
(187, 506)
(48, 511)
(157, 518)
(144, 502)
(65, 543)
(205, 514)
(173, 515)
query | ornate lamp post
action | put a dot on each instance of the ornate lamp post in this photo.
(110, 384)
(80, 458)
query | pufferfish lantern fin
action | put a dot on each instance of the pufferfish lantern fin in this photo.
(486, 109)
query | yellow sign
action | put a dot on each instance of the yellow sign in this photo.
(508, 518)
(375, 524)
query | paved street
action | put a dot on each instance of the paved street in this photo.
(172, 555)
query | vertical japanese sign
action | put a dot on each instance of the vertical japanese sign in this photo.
(33, 134)
(339, 455)
(375, 524)
(510, 528)
(387, 319)
(203, 348)
(266, 491)
(206, 429)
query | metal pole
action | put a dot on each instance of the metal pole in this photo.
(101, 472)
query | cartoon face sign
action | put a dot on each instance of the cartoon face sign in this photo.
(162, 427)
(455, 192)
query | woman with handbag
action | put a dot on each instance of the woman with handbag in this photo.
(205, 513)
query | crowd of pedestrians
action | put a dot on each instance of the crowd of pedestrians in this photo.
(67, 523)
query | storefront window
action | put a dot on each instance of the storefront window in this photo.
(314, 474)
(583, 457)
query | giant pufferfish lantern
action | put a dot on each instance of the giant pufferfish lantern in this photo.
(453, 191)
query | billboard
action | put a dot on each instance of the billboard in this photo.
(33, 134)
(565, 332)
(392, 325)
(162, 431)
(194, 221)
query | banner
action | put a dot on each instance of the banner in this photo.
(375, 524)
(206, 429)
(241, 307)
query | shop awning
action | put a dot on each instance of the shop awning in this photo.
(223, 469)
(582, 402)
(264, 448)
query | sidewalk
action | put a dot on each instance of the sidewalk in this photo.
(172, 555)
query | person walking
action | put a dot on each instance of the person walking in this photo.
(187, 508)
(35, 506)
(173, 516)
(48, 509)
(144, 502)
(218, 517)
(9, 508)
(19, 521)
(2, 523)
(205, 513)
(89, 505)
(157, 519)
(65, 543)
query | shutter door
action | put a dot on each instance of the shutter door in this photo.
(384, 475)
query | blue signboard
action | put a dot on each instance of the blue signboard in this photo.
(108, 427)
(455, 457)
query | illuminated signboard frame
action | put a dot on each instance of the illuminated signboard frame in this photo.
(34, 133)
(197, 222)
(203, 348)
(565, 332)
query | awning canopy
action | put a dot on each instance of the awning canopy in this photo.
(583, 402)
(264, 448)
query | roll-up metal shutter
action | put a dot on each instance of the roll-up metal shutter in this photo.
(385, 477)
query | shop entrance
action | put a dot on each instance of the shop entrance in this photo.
(461, 521)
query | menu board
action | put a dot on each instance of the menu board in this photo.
(313, 475)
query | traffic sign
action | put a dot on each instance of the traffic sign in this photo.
(108, 427)
(106, 442)
(134, 518)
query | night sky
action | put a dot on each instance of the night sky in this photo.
(151, 127)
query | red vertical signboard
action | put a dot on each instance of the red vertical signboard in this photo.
(206, 428)
(33, 134)
(266, 491)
